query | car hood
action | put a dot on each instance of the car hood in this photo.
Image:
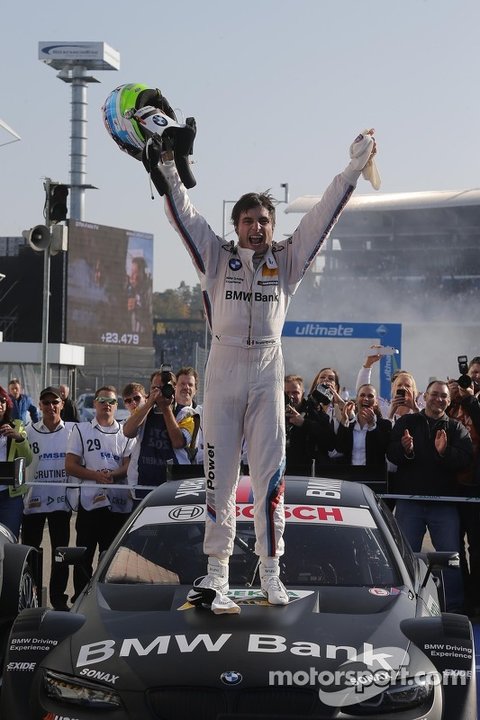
(150, 636)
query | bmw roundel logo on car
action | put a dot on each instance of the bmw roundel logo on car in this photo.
(231, 677)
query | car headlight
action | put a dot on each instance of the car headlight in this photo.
(73, 691)
(412, 694)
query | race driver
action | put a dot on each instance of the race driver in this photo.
(247, 287)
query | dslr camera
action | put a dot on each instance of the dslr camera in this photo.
(167, 389)
(322, 394)
(464, 381)
(288, 404)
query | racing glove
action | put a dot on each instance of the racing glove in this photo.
(152, 160)
(178, 140)
(362, 152)
(182, 141)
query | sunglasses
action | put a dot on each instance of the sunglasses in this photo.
(50, 402)
(103, 400)
(3, 400)
(135, 398)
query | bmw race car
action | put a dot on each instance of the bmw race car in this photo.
(20, 582)
(363, 635)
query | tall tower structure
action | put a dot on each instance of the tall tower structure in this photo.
(75, 62)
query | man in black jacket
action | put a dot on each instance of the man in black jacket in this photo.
(308, 429)
(429, 449)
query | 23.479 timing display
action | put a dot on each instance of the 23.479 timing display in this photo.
(109, 285)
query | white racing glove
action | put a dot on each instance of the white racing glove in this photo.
(362, 154)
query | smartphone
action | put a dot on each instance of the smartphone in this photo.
(384, 350)
(401, 392)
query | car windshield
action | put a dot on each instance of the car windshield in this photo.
(157, 550)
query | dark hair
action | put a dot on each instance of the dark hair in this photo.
(8, 405)
(474, 361)
(250, 201)
(133, 387)
(141, 263)
(187, 370)
(315, 379)
(434, 382)
(173, 378)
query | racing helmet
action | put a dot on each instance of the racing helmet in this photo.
(119, 115)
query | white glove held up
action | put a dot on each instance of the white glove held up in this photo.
(362, 154)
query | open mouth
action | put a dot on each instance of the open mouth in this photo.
(256, 239)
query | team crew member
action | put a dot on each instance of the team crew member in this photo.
(98, 454)
(247, 289)
(44, 502)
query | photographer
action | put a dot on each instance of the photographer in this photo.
(308, 428)
(163, 430)
(325, 395)
(465, 407)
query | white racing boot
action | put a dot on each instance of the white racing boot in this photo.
(211, 590)
(272, 587)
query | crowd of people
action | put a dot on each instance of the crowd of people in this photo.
(416, 443)
(421, 444)
(250, 416)
(70, 464)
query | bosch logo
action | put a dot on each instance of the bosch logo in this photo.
(160, 120)
(185, 512)
(234, 264)
(231, 677)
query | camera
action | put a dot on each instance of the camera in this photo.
(401, 393)
(464, 381)
(167, 389)
(322, 394)
(288, 404)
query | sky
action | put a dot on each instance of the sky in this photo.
(279, 89)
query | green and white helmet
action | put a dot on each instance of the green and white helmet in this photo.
(119, 115)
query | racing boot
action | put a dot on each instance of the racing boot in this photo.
(272, 587)
(211, 591)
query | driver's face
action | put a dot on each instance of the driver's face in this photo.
(255, 230)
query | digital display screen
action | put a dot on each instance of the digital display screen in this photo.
(109, 285)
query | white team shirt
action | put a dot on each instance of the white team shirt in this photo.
(101, 448)
(48, 467)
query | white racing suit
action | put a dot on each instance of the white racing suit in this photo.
(246, 310)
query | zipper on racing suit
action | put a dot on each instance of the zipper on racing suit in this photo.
(252, 295)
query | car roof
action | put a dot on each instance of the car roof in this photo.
(298, 490)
